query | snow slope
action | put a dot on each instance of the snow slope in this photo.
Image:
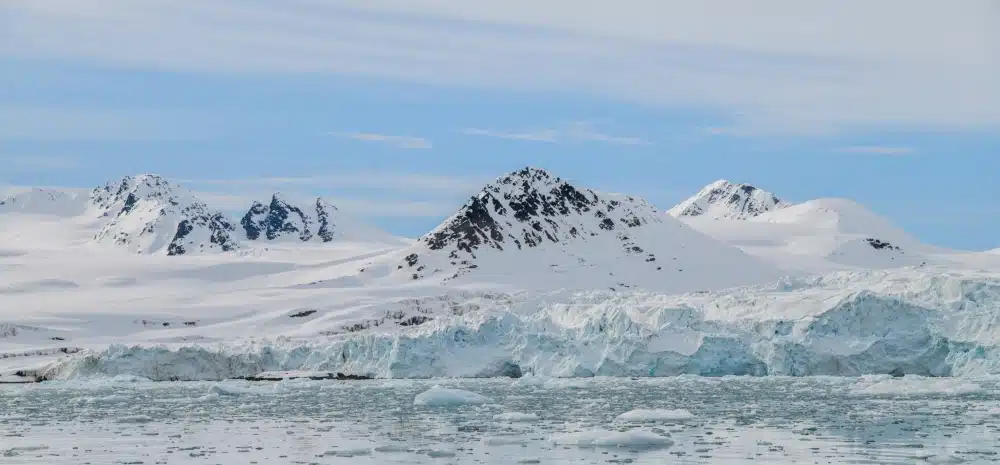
(819, 236)
(724, 199)
(52, 202)
(530, 230)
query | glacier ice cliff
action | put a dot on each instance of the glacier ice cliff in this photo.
(850, 323)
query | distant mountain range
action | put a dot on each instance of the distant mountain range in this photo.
(521, 218)
(147, 214)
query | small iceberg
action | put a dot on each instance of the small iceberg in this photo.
(438, 396)
(655, 416)
(639, 439)
(516, 417)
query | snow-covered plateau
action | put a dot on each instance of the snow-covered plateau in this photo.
(532, 276)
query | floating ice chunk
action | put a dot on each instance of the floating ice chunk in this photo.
(37, 448)
(438, 396)
(358, 452)
(914, 386)
(224, 390)
(938, 459)
(209, 397)
(530, 380)
(516, 417)
(440, 453)
(110, 399)
(655, 416)
(391, 448)
(603, 438)
(505, 441)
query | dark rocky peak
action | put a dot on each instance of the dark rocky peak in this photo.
(532, 208)
(283, 219)
(217, 227)
(325, 216)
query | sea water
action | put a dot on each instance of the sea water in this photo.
(684, 420)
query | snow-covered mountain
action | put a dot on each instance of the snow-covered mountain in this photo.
(532, 229)
(724, 199)
(147, 214)
(818, 236)
(38, 201)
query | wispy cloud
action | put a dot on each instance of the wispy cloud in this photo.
(358, 180)
(402, 142)
(878, 150)
(726, 55)
(397, 208)
(546, 135)
(575, 132)
(96, 123)
(38, 162)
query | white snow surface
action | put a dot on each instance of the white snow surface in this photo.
(769, 295)
(655, 416)
(725, 199)
(438, 396)
(605, 438)
(830, 234)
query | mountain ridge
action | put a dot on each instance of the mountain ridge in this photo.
(729, 200)
(529, 225)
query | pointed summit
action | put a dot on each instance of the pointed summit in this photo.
(725, 199)
(147, 214)
(530, 228)
(530, 207)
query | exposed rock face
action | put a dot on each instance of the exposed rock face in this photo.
(724, 199)
(283, 220)
(530, 209)
(147, 214)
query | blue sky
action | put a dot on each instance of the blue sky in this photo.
(399, 110)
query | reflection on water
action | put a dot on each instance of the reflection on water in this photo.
(736, 420)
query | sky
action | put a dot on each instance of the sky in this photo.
(399, 110)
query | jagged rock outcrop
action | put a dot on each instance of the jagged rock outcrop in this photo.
(281, 219)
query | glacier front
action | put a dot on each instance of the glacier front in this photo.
(900, 322)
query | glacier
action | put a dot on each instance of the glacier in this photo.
(900, 322)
